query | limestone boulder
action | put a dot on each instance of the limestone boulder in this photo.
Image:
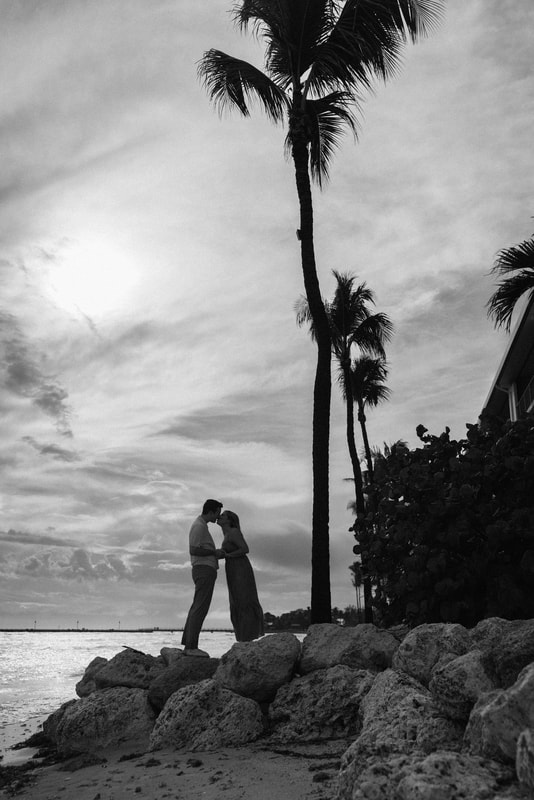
(442, 775)
(129, 668)
(457, 684)
(171, 655)
(507, 646)
(206, 716)
(399, 717)
(524, 761)
(258, 669)
(362, 647)
(183, 671)
(514, 651)
(321, 705)
(107, 719)
(499, 717)
(87, 683)
(488, 633)
(428, 644)
(51, 723)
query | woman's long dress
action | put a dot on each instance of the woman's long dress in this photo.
(246, 612)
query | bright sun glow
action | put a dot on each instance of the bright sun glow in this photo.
(91, 277)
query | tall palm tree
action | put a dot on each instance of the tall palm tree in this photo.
(517, 265)
(368, 377)
(319, 56)
(352, 325)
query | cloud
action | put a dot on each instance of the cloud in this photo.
(76, 565)
(269, 415)
(53, 450)
(33, 539)
(25, 378)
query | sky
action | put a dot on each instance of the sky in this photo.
(149, 269)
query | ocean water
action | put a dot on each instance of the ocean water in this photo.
(39, 670)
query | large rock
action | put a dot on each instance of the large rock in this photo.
(129, 668)
(514, 651)
(87, 684)
(104, 720)
(206, 716)
(442, 775)
(171, 655)
(428, 644)
(50, 724)
(456, 685)
(524, 760)
(321, 705)
(499, 717)
(361, 647)
(488, 633)
(183, 672)
(399, 717)
(258, 669)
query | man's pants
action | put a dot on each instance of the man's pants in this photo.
(204, 578)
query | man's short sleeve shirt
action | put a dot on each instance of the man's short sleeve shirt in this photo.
(200, 536)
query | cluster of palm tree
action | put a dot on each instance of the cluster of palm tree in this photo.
(361, 377)
(319, 57)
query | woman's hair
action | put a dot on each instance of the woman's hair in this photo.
(233, 519)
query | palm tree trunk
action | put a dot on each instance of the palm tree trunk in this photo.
(368, 456)
(320, 581)
(358, 485)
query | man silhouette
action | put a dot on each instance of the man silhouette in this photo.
(204, 561)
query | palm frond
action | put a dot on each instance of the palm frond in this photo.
(326, 119)
(367, 40)
(303, 314)
(352, 322)
(511, 259)
(291, 28)
(502, 303)
(232, 82)
(368, 376)
(372, 333)
(346, 296)
(518, 264)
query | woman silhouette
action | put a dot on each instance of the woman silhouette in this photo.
(246, 612)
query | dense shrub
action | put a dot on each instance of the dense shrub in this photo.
(452, 536)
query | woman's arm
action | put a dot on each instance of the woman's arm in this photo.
(238, 540)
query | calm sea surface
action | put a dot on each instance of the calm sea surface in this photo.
(39, 671)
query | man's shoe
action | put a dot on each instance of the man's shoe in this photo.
(196, 652)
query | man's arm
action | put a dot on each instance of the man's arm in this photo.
(206, 551)
(200, 542)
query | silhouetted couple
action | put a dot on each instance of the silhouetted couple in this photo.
(245, 610)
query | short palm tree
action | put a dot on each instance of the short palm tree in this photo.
(516, 266)
(352, 325)
(320, 55)
(368, 377)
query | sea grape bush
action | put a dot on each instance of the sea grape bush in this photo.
(451, 536)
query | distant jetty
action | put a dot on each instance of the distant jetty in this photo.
(107, 630)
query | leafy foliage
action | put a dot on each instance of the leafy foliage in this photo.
(299, 619)
(452, 539)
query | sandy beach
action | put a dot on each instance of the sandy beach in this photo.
(255, 772)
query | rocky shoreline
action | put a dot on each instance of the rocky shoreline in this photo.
(436, 713)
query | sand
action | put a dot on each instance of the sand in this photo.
(254, 772)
